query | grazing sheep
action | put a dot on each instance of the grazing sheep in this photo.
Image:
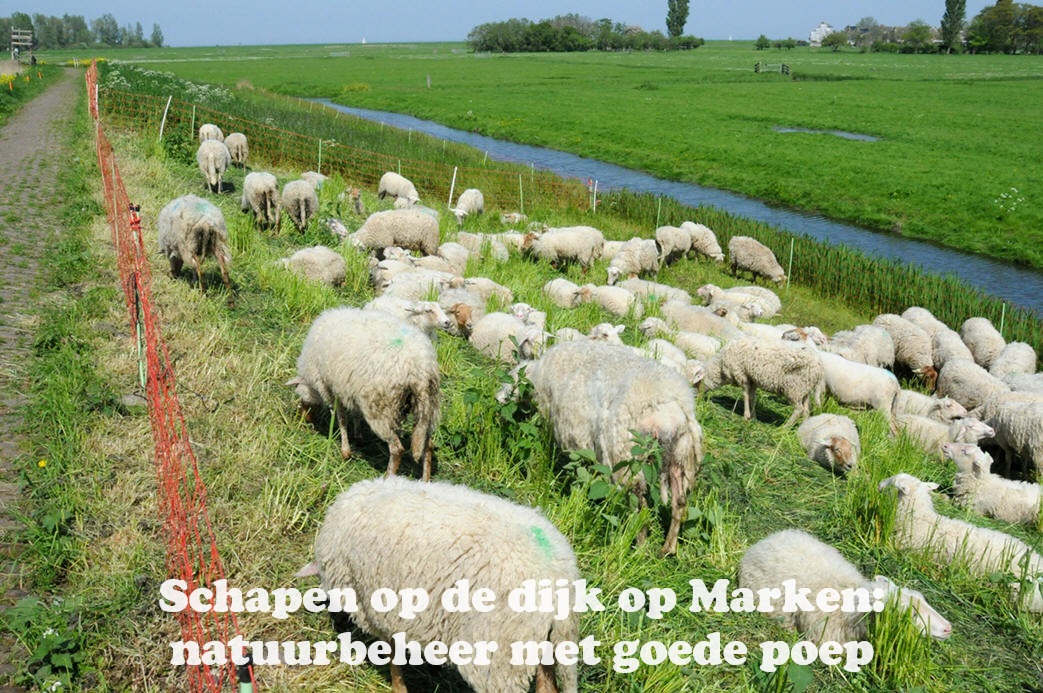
(597, 395)
(300, 202)
(406, 228)
(689, 318)
(968, 383)
(579, 244)
(379, 366)
(931, 435)
(471, 201)
(942, 409)
(237, 148)
(213, 159)
(913, 348)
(813, 565)
(316, 179)
(189, 229)
(637, 256)
(397, 186)
(562, 292)
(261, 196)
(832, 441)
(704, 241)
(655, 291)
(976, 487)
(868, 344)
(319, 264)
(983, 339)
(924, 319)
(697, 346)
(918, 526)
(673, 243)
(1017, 358)
(858, 385)
(750, 255)
(427, 316)
(209, 131)
(614, 299)
(399, 534)
(947, 345)
(791, 370)
(504, 337)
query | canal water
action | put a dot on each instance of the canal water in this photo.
(1016, 285)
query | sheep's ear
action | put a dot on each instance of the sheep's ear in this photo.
(884, 583)
(619, 328)
(931, 486)
(293, 382)
(308, 570)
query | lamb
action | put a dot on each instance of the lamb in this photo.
(856, 384)
(946, 345)
(471, 201)
(406, 228)
(562, 292)
(399, 534)
(912, 345)
(931, 435)
(832, 441)
(704, 241)
(976, 487)
(209, 131)
(924, 319)
(237, 148)
(427, 316)
(655, 291)
(750, 255)
(637, 256)
(868, 344)
(942, 409)
(791, 370)
(261, 196)
(213, 159)
(614, 299)
(968, 383)
(697, 346)
(319, 264)
(497, 334)
(579, 244)
(397, 186)
(189, 229)
(597, 396)
(1017, 358)
(983, 339)
(300, 202)
(918, 526)
(673, 243)
(379, 366)
(793, 554)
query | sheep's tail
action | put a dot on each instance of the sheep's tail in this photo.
(211, 170)
(682, 450)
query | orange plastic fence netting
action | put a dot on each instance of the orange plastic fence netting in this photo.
(192, 553)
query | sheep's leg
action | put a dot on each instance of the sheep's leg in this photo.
(342, 424)
(396, 449)
(545, 679)
(398, 683)
(678, 506)
(749, 394)
(176, 263)
(800, 410)
(427, 463)
(386, 433)
(199, 270)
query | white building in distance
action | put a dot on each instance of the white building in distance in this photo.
(820, 32)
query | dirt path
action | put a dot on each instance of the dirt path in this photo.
(31, 154)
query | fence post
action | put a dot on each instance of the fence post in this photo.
(1003, 316)
(658, 212)
(319, 168)
(521, 195)
(452, 187)
(192, 129)
(163, 123)
(789, 270)
(594, 201)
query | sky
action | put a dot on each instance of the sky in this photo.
(210, 23)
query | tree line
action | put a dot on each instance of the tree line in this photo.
(571, 32)
(73, 31)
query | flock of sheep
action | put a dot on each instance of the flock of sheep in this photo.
(379, 362)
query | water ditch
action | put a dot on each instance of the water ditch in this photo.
(1017, 285)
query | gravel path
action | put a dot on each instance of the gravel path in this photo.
(31, 152)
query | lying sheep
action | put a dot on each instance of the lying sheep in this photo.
(868, 344)
(655, 291)
(918, 526)
(691, 318)
(579, 244)
(562, 292)
(976, 487)
(983, 339)
(401, 534)
(464, 308)
(1018, 423)
(470, 202)
(213, 159)
(319, 264)
(947, 345)
(912, 344)
(261, 196)
(397, 186)
(504, 337)
(456, 255)
(615, 299)
(484, 245)
(942, 409)
(673, 243)
(815, 566)
(1017, 358)
(487, 289)
(418, 284)
(189, 229)
(528, 315)
(931, 435)
(766, 299)
(237, 148)
(376, 365)
(750, 255)
(968, 383)
(637, 256)
(832, 441)
(406, 228)
(790, 370)
(426, 316)
(606, 332)
(209, 131)
(695, 345)
(924, 319)
(858, 385)
(704, 241)
(300, 202)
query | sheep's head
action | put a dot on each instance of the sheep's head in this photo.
(650, 327)
(971, 430)
(607, 332)
(427, 313)
(613, 275)
(462, 313)
(842, 453)
(708, 292)
(908, 485)
(968, 458)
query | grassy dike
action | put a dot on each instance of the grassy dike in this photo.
(270, 476)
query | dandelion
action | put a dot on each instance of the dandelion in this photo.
(41, 464)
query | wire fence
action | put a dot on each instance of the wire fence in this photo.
(192, 554)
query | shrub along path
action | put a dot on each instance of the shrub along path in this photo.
(32, 151)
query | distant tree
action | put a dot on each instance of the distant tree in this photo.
(1032, 29)
(917, 35)
(952, 24)
(157, 37)
(762, 43)
(993, 29)
(676, 17)
(835, 40)
(789, 43)
(106, 30)
(77, 33)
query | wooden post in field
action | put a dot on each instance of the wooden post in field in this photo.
(319, 167)
(163, 123)
(193, 128)
(658, 211)
(452, 187)
(789, 270)
(521, 195)
(594, 201)
(1003, 316)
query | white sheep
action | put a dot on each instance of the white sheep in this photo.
(606, 332)
(406, 228)
(597, 396)
(793, 371)
(859, 385)
(946, 345)
(427, 316)
(316, 179)
(401, 534)
(766, 299)
(673, 243)
(1017, 419)
(942, 409)
(931, 435)
(261, 196)
(508, 218)
(695, 345)
(1021, 382)
(832, 441)
(813, 565)
(976, 487)
(487, 289)
(912, 343)
(504, 337)
(300, 202)
(213, 159)
(579, 244)
(689, 318)
(610, 249)
(319, 264)
(376, 365)
(464, 308)
(868, 344)
(924, 319)
(418, 284)
(637, 256)
(750, 255)
(655, 291)
(209, 131)
(456, 255)
(983, 339)
(704, 241)
(562, 292)
(484, 245)
(615, 299)
(238, 148)
(189, 229)
(984, 551)
(568, 334)
(397, 186)
(968, 383)
(1017, 358)
(471, 201)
